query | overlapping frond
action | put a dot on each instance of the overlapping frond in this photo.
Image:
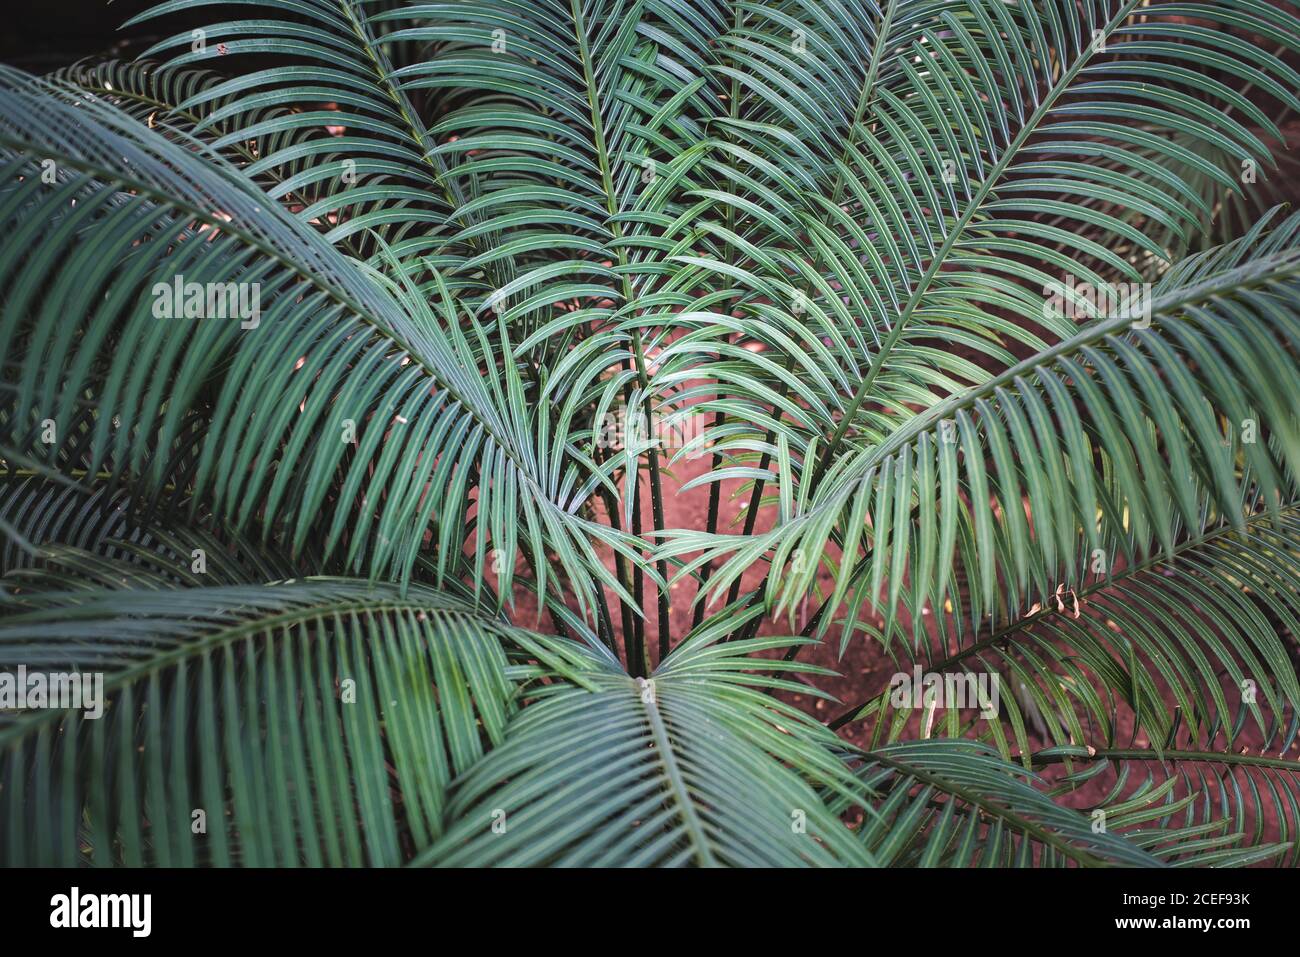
(1197, 808)
(954, 803)
(153, 94)
(315, 722)
(695, 765)
(341, 403)
(380, 176)
(873, 243)
(1108, 440)
(1181, 651)
(930, 274)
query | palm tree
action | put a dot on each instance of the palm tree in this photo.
(982, 309)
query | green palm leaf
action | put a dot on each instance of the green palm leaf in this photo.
(950, 803)
(1191, 807)
(315, 722)
(694, 765)
(1113, 436)
(1189, 646)
(337, 354)
(849, 249)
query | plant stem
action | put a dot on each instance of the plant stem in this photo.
(638, 351)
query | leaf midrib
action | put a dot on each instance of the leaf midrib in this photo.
(223, 636)
(1129, 572)
(940, 257)
(673, 775)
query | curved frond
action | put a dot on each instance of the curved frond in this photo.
(334, 332)
(694, 765)
(254, 725)
(341, 404)
(953, 803)
(1183, 651)
(1105, 444)
(1188, 807)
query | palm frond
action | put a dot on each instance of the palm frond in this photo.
(1179, 651)
(1111, 440)
(308, 401)
(341, 296)
(694, 765)
(255, 725)
(943, 225)
(380, 177)
(1192, 808)
(953, 803)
